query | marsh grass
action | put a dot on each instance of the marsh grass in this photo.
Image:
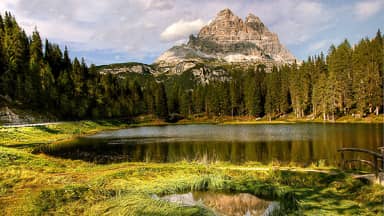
(37, 184)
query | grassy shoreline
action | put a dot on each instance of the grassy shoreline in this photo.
(33, 184)
(37, 184)
(31, 136)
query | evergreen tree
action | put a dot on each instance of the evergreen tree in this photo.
(299, 87)
(161, 101)
(340, 68)
(235, 96)
(377, 75)
(33, 82)
(347, 80)
(54, 57)
(2, 56)
(186, 107)
(320, 89)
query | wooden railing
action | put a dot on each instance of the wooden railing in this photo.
(377, 157)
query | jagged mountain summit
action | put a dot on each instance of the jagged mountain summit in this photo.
(228, 38)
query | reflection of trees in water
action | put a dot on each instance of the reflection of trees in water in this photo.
(322, 144)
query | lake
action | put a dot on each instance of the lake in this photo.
(225, 203)
(302, 143)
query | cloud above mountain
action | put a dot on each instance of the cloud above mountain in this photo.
(366, 9)
(139, 30)
(180, 29)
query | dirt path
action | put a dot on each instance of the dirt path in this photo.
(31, 125)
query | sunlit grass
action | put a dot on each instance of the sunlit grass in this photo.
(41, 185)
(31, 136)
(37, 184)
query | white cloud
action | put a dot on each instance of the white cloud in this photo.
(295, 21)
(181, 29)
(7, 4)
(321, 45)
(366, 9)
(57, 30)
(159, 4)
(309, 9)
(136, 29)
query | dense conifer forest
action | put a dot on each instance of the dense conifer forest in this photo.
(41, 76)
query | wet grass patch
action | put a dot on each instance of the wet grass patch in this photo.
(37, 184)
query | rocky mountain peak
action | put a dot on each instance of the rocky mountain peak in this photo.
(232, 39)
(255, 23)
(226, 13)
(252, 18)
(225, 24)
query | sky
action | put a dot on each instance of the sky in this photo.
(112, 31)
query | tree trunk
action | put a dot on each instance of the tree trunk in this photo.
(377, 110)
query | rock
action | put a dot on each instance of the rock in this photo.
(230, 39)
(8, 116)
(124, 68)
(226, 42)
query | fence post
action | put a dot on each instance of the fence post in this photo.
(382, 165)
(376, 167)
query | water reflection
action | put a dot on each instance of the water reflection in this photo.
(225, 204)
(301, 143)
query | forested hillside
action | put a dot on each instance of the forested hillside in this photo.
(40, 76)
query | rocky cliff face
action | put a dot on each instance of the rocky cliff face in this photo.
(122, 68)
(228, 41)
(229, 38)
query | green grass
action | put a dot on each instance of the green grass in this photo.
(41, 185)
(32, 136)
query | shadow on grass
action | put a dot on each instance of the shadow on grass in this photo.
(111, 122)
(328, 200)
(32, 146)
(47, 129)
(334, 193)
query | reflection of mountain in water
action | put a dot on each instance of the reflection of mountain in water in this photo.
(301, 143)
(227, 133)
(230, 204)
(224, 204)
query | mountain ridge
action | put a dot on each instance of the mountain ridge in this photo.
(229, 38)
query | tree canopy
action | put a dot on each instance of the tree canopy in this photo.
(39, 75)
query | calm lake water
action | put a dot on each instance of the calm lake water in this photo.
(225, 204)
(301, 143)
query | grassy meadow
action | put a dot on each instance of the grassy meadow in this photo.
(37, 184)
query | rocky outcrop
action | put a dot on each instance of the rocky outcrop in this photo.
(227, 41)
(8, 116)
(13, 113)
(229, 38)
(126, 68)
